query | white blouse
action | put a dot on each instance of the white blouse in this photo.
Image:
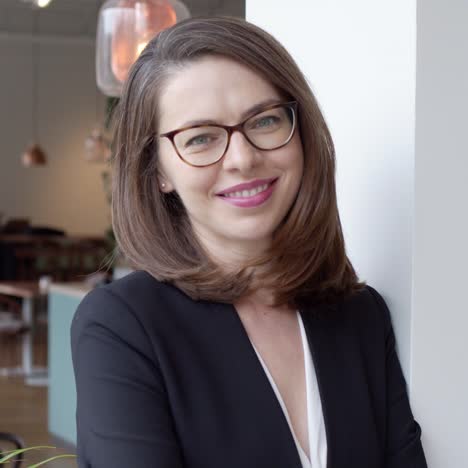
(316, 426)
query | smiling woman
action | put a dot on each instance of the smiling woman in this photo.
(245, 339)
(199, 80)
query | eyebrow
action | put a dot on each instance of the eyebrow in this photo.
(250, 111)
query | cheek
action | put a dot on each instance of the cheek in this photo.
(189, 182)
(292, 159)
(196, 183)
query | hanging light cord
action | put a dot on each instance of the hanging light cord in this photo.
(34, 77)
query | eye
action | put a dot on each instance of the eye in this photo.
(199, 140)
(266, 121)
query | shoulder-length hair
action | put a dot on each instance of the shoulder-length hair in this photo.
(306, 261)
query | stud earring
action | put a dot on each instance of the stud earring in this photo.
(163, 185)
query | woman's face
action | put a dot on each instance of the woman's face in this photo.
(223, 91)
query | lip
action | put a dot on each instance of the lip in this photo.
(247, 185)
(254, 200)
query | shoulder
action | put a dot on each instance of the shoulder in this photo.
(367, 301)
(358, 326)
(132, 293)
(124, 307)
(369, 317)
(139, 288)
(365, 312)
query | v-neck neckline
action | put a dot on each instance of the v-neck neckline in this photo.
(311, 333)
(307, 390)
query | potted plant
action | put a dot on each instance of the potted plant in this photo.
(11, 455)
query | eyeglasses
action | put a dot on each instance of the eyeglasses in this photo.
(204, 145)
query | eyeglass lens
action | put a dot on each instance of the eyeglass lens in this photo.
(266, 130)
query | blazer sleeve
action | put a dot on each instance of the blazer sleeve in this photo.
(403, 448)
(123, 416)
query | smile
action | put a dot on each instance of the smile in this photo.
(247, 193)
(250, 198)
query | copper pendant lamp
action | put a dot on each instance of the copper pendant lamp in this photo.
(124, 29)
(33, 156)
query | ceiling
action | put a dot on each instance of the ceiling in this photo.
(78, 18)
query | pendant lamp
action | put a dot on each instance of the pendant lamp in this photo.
(124, 29)
(42, 3)
(38, 3)
(34, 155)
(97, 146)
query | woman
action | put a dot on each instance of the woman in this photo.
(244, 338)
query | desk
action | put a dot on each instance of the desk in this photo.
(28, 291)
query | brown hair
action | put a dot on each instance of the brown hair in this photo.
(306, 261)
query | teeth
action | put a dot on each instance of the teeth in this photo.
(247, 193)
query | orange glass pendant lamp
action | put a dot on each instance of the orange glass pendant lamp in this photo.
(124, 29)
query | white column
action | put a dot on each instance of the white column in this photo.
(440, 312)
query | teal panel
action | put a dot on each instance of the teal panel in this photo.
(62, 393)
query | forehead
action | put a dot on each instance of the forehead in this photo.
(214, 88)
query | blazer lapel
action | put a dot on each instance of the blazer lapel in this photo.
(258, 403)
(319, 330)
(342, 386)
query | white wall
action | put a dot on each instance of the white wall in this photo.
(397, 113)
(67, 193)
(359, 58)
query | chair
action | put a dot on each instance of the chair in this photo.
(17, 442)
(26, 258)
(12, 328)
(90, 257)
(16, 226)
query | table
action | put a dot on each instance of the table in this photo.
(28, 291)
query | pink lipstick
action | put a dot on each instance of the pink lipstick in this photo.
(250, 201)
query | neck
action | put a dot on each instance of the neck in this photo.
(229, 253)
(260, 303)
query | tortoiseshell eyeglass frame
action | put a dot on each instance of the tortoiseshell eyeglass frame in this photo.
(230, 129)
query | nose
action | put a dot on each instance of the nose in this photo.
(241, 155)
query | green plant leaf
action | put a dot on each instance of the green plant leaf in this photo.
(50, 459)
(13, 453)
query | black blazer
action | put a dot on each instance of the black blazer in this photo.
(167, 382)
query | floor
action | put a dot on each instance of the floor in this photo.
(23, 409)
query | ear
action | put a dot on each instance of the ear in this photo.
(164, 188)
(164, 185)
